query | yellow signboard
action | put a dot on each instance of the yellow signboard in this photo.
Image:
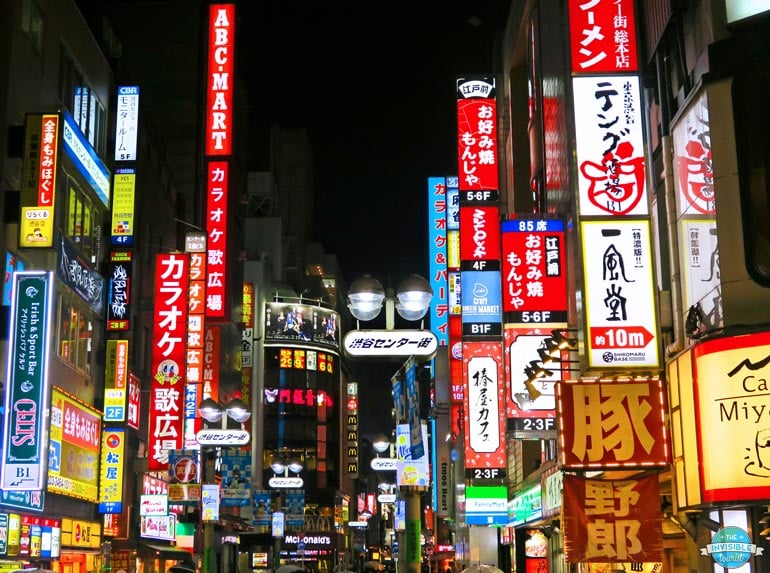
(36, 227)
(78, 533)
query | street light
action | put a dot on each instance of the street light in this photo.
(366, 296)
(209, 439)
(281, 466)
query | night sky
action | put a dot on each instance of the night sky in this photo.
(376, 91)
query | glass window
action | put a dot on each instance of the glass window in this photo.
(80, 221)
(75, 344)
(32, 25)
(77, 96)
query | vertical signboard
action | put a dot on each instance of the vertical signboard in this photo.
(111, 470)
(217, 181)
(195, 245)
(351, 430)
(38, 189)
(220, 79)
(119, 275)
(477, 138)
(168, 358)
(126, 123)
(620, 294)
(116, 381)
(123, 194)
(27, 396)
(437, 258)
(484, 401)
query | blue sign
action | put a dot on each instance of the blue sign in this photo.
(86, 160)
(482, 308)
(413, 406)
(731, 547)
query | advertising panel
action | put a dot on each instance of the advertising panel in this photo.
(73, 460)
(123, 193)
(521, 348)
(78, 274)
(119, 274)
(620, 294)
(480, 233)
(486, 505)
(416, 443)
(38, 194)
(484, 395)
(85, 159)
(631, 506)
(610, 146)
(116, 381)
(113, 461)
(25, 452)
(481, 303)
(304, 325)
(126, 123)
(168, 359)
(220, 79)
(730, 387)
(618, 424)
(351, 430)
(437, 257)
(196, 329)
(534, 271)
(476, 138)
(217, 191)
(603, 36)
(411, 471)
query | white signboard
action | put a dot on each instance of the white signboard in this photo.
(126, 123)
(620, 294)
(523, 350)
(399, 343)
(610, 146)
(700, 269)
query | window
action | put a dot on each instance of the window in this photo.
(80, 220)
(32, 25)
(77, 96)
(75, 344)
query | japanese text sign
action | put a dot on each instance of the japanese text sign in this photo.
(126, 123)
(611, 424)
(220, 79)
(477, 137)
(25, 448)
(116, 381)
(123, 193)
(534, 271)
(693, 161)
(111, 474)
(217, 181)
(620, 294)
(437, 257)
(75, 439)
(119, 274)
(168, 358)
(484, 399)
(610, 146)
(603, 36)
(612, 520)
(480, 233)
(521, 346)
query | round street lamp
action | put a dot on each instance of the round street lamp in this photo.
(381, 443)
(366, 296)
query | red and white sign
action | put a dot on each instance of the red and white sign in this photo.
(476, 134)
(612, 424)
(480, 233)
(620, 294)
(134, 401)
(211, 344)
(168, 358)
(217, 182)
(220, 79)
(521, 346)
(610, 146)
(48, 153)
(603, 36)
(612, 521)
(534, 270)
(484, 389)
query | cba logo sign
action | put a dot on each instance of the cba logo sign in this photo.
(731, 547)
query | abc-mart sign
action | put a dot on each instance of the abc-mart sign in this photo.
(401, 343)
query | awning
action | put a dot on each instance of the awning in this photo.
(169, 551)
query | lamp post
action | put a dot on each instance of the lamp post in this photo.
(281, 466)
(211, 439)
(412, 302)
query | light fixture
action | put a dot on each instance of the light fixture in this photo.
(210, 410)
(381, 443)
(563, 342)
(365, 298)
(278, 464)
(295, 465)
(414, 296)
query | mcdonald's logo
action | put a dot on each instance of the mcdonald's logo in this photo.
(352, 419)
(352, 451)
(352, 467)
(351, 435)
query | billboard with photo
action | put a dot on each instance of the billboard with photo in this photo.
(302, 324)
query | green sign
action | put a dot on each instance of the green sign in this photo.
(413, 549)
(26, 450)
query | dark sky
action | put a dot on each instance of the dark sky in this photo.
(374, 85)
